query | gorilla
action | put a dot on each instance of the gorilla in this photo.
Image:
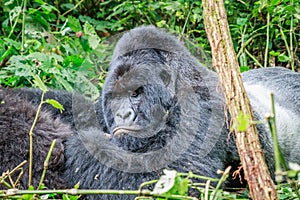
(159, 108)
(16, 119)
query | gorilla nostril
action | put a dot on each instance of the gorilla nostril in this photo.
(125, 116)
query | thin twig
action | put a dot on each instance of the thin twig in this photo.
(285, 43)
(46, 163)
(23, 27)
(73, 8)
(222, 180)
(253, 58)
(291, 40)
(13, 192)
(267, 41)
(9, 173)
(31, 139)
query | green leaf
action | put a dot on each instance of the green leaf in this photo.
(90, 32)
(274, 53)
(241, 21)
(242, 122)
(275, 2)
(73, 61)
(86, 87)
(38, 82)
(283, 58)
(74, 24)
(6, 54)
(28, 196)
(182, 186)
(166, 182)
(297, 16)
(16, 44)
(55, 104)
(244, 68)
(77, 185)
(43, 58)
(69, 197)
(64, 83)
(171, 184)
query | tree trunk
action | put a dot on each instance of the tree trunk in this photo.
(225, 62)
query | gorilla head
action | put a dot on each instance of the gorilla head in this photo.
(160, 108)
(133, 113)
(157, 98)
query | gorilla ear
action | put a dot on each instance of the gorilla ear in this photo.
(169, 80)
(165, 77)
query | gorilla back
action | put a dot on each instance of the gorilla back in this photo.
(16, 118)
(160, 108)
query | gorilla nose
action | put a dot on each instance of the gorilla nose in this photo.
(124, 117)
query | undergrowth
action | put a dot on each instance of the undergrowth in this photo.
(65, 44)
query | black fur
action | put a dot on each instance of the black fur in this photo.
(160, 108)
(16, 119)
(150, 58)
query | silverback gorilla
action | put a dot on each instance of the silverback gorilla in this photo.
(159, 108)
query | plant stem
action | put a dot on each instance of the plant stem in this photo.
(253, 58)
(31, 139)
(273, 128)
(243, 58)
(246, 43)
(286, 43)
(279, 159)
(186, 20)
(14, 25)
(12, 192)
(192, 175)
(46, 163)
(267, 42)
(23, 27)
(222, 180)
(73, 8)
(291, 40)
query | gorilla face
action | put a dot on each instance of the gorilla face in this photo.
(134, 113)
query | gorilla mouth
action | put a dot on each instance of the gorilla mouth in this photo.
(122, 130)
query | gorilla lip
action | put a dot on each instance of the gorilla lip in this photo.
(122, 130)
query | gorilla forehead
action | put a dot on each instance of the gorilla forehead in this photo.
(135, 69)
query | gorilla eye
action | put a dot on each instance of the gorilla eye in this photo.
(137, 92)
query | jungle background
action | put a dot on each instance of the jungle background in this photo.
(67, 44)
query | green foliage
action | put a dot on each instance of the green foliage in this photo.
(69, 197)
(171, 183)
(66, 47)
(55, 104)
(250, 22)
(64, 41)
(242, 122)
(67, 57)
(28, 196)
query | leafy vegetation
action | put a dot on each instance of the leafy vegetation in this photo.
(64, 40)
(67, 44)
